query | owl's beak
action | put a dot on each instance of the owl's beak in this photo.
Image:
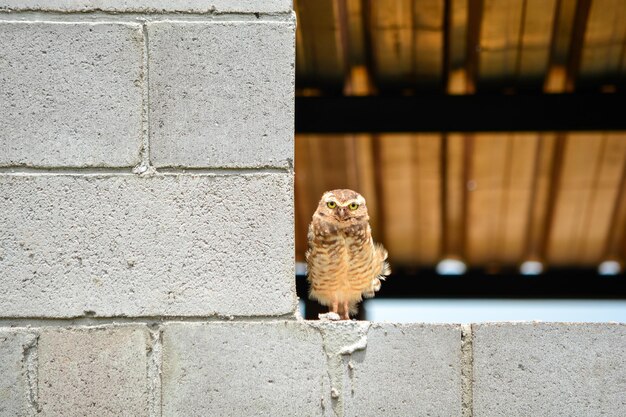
(342, 213)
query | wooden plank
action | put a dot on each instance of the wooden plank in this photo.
(351, 163)
(541, 197)
(359, 81)
(556, 79)
(474, 22)
(580, 166)
(303, 68)
(305, 203)
(616, 239)
(326, 156)
(563, 31)
(363, 154)
(486, 187)
(535, 43)
(428, 43)
(357, 54)
(398, 197)
(604, 195)
(457, 47)
(306, 179)
(427, 169)
(603, 42)
(622, 76)
(391, 27)
(332, 154)
(499, 42)
(322, 62)
(455, 187)
(517, 194)
(581, 18)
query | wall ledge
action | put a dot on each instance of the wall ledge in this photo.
(156, 6)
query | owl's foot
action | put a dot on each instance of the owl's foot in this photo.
(346, 311)
(343, 311)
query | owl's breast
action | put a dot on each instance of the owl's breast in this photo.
(337, 251)
(337, 245)
(342, 262)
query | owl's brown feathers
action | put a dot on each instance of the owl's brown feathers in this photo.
(344, 264)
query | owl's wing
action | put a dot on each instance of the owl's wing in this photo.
(380, 254)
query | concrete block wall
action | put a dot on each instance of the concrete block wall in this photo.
(291, 367)
(146, 162)
(146, 240)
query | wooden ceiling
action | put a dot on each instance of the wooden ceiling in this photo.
(362, 47)
(492, 199)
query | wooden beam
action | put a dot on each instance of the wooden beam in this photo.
(472, 113)
(579, 283)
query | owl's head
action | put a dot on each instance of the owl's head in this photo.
(344, 206)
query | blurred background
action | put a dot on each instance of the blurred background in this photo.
(489, 139)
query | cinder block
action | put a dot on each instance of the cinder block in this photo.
(124, 245)
(244, 369)
(16, 394)
(406, 370)
(71, 94)
(221, 93)
(152, 6)
(549, 369)
(94, 371)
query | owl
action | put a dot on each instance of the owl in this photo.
(344, 263)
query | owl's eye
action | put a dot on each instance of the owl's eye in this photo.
(353, 206)
(331, 204)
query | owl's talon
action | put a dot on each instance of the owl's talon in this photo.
(346, 311)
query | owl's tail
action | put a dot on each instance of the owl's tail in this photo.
(385, 271)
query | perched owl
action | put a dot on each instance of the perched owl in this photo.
(344, 264)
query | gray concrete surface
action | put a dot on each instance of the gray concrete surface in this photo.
(153, 6)
(221, 93)
(286, 368)
(341, 339)
(406, 370)
(549, 369)
(311, 368)
(190, 250)
(15, 389)
(71, 94)
(123, 245)
(94, 371)
(244, 369)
